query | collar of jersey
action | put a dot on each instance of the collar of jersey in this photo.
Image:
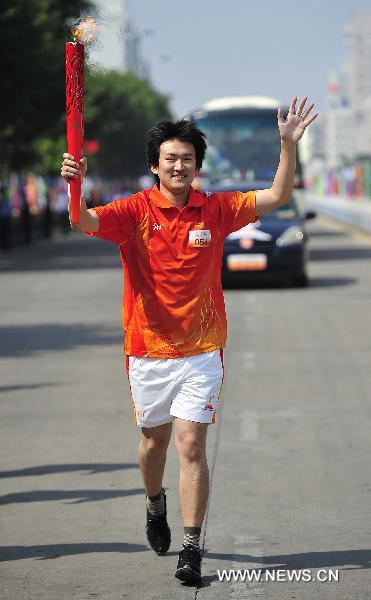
(195, 198)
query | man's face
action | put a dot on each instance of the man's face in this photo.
(176, 166)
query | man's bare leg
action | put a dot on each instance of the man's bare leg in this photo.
(190, 442)
(152, 456)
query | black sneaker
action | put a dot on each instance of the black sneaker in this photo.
(189, 565)
(158, 531)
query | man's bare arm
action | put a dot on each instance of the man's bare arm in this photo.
(281, 189)
(291, 131)
(89, 220)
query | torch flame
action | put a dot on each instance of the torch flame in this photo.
(85, 30)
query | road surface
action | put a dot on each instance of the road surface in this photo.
(289, 455)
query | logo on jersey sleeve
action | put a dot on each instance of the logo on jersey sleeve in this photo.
(199, 238)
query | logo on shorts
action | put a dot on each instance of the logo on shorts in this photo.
(208, 405)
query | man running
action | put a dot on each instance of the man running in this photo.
(171, 244)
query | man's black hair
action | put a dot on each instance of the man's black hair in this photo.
(183, 130)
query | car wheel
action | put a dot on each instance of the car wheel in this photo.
(300, 280)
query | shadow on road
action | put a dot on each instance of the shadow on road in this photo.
(92, 468)
(46, 552)
(76, 496)
(327, 233)
(331, 281)
(283, 285)
(77, 252)
(360, 559)
(353, 253)
(22, 340)
(30, 386)
(340, 559)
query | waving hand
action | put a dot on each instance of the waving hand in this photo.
(297, 120)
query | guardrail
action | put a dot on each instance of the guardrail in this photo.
(355, 212)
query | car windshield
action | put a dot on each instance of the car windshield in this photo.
(241, 145)
(287, 211)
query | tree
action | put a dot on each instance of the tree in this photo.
(32, 92)
(119, 109)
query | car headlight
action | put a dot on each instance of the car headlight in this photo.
(291, 236)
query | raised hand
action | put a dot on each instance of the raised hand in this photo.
(292, 129)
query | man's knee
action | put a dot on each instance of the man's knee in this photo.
(190, 447)
(155, 440)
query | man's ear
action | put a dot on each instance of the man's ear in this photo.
(154, 170)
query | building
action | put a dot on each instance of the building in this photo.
(339, 137)
(132, 52)
(339, 133)
(358, 73)
(107, 51)
(119, 41)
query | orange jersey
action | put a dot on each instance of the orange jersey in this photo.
(173, 304)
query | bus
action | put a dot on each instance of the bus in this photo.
(243, 142)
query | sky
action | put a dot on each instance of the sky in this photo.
(203, 49)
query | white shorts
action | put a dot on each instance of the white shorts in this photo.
(165, 388)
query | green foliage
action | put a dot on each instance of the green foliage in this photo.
(50, 151)
(32, 92)
(119, 109)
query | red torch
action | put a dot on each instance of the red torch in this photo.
(75, 117)
(83, 31)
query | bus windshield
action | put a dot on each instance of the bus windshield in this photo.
(241, 145)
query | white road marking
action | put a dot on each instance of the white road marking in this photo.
(248, 360)
(251, 419)
(249, 425)
(247, 545)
